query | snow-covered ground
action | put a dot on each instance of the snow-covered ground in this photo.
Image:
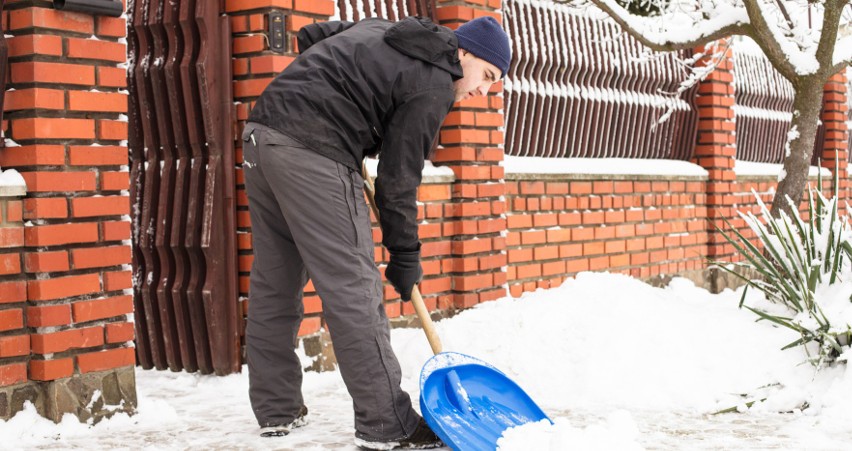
(617, 364)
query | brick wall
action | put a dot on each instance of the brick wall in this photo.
(66, 135)
(644, 226)
(14, 336)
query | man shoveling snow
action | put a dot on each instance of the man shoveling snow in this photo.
(355, 90)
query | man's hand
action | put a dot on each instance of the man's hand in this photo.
(404, 271)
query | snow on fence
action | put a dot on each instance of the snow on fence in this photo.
(763, 106)
(356, 10)
(580, 87)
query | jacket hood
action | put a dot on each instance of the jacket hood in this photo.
(420, 38)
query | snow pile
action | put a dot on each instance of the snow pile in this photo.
(617, 364)
(618, 432)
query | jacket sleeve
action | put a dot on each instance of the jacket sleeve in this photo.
(311, 34)
(407, 141)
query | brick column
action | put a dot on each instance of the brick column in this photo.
(255, 65)
(67, 136)
(716, 149)
(835, 152)
(472, 137)
(14, 336)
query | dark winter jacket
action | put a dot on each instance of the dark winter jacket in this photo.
(357, 89)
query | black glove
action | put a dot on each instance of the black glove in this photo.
(404, 271)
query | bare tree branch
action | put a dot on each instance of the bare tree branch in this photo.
(828, 39)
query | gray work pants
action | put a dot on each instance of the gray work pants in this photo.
(308, 216)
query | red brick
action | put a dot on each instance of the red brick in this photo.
(62, 287)
(34, 44)
(85, 207)
(318, 7)
(60, 73)
(248, 5)
(249, 44)
(112, 77)
(61, 341)
(112, 130)
(49, 235)
(51, 19)
(99, 257)
(117, 280)
(14, 373)
(102, 308)
(49, 370)
(296, 22)
(11, 319)
(10, 263)
(113, 27)
(13, 291)
(14, 211)
(91, 49)
(49, 315)
(309, 326)
(119, 332)
(115, 230)
(34, 98)
(14, 345)
(59, 181)
(105, 360)
(115, 181)
(34, 155)
(250, 88)
(256, 22)
(102, 102)
(11, 237)
(45, 208)
(53, 128)
(97, 155)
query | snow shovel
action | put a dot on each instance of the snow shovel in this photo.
(467, 402)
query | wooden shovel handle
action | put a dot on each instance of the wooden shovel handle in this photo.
(416, 299)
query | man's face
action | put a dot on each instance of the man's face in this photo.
(479, 75)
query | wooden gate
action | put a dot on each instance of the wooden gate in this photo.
(182, 185)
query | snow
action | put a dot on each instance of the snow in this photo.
(616, 363)
(12, 178)
(430, 171)
(12, 183)
(612, 166)
(752, 169)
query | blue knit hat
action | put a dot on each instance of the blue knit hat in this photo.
(485, 38)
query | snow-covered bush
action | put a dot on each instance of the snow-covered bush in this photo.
(805, 269)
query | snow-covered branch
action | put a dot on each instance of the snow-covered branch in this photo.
(683, 25)
(798, 36)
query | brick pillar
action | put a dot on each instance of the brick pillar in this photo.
(255, 65)
(472, 137)
(835, 152)
(14, 336)
(67, 136)
(716, 149)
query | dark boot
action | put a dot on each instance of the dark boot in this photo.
(421, 438)
(280, 430)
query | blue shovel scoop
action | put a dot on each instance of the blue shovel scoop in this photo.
(467, 402)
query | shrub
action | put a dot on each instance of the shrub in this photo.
(803, 266)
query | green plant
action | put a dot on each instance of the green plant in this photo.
(797, 260)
